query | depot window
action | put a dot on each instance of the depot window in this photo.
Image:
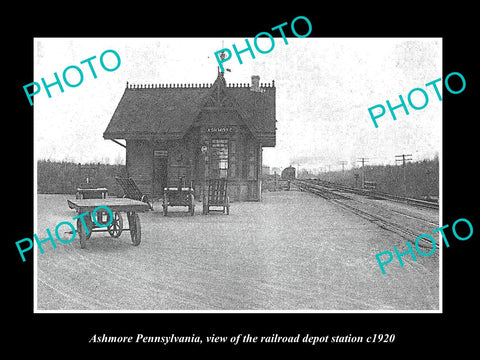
(219, 164)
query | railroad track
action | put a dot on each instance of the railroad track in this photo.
(373, 193)
(388, 219)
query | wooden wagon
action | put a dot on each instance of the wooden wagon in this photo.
(115, 229)
(179, 196)
(216, 196)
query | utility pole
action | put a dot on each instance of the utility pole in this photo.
(343, 163)
(363, 161)
(404, 158)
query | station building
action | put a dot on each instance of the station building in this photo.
(196, 133)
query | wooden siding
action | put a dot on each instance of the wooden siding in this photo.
(184, 160)
(139, 164)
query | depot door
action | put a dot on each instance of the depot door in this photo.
(160, 166)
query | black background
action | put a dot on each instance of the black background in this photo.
(68, 334)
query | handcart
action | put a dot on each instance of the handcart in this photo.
(179, 196)
(132, 191)
(216, 196)
(115, 229)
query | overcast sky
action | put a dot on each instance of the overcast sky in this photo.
(324, 89)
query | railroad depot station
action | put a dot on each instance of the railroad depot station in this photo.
(309, 246)
(194, 133)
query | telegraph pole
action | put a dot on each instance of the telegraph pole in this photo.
(404, 158)
(343, 163)
(363, 161)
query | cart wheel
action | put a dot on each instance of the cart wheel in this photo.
(90, 226)
(191, 207)
(205, 206)
(146, 200)
(83, 234)
(115, 229)
(165, 205)
(135, 228)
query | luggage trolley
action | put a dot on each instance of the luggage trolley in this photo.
(180, 195)
(115, 229)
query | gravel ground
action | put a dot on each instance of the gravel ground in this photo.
(416, 219)
(292, 251)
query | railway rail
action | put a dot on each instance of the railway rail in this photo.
(397, 218)
(376, 194)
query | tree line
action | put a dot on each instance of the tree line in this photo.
(421, 178)
(64, 177)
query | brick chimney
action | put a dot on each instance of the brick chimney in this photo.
(255, 83)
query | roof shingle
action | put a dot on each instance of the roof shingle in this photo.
(168, 112)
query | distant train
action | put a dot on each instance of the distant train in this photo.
(288, 173)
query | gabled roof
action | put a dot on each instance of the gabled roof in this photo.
(154, 112)
(168, 111)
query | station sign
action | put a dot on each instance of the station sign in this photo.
(222, 129)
